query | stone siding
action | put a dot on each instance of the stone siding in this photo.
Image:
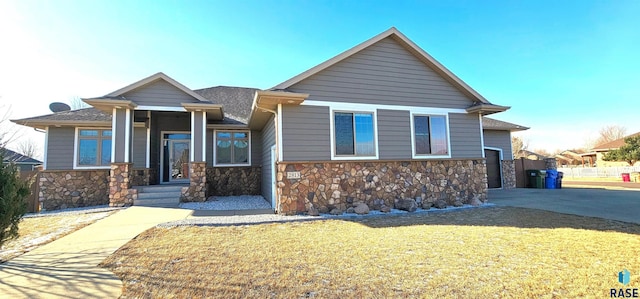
(61, 189)
(550, 163)
(196, 191)
(509, 174)
(228, 181)
(143, 176)
(120, 192)
(341, 185)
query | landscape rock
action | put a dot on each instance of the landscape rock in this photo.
(350, 210)
(475, 202)
(440, 204)
(385, 209)
(457, 203)
(323, 209)
(313, 212)
(408, 205)
(336, 212)
(362, 209)
(427, 205)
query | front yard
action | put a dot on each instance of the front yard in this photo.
(475, 253)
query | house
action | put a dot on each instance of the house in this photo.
(381, 121)
(595, 156)
(24, 163)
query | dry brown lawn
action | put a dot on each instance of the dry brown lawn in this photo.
(37, 231)
(476, 253)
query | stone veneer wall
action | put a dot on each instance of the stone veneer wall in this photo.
(143, 176)
(339, 185)
(61, 189)
(508, 174)
(120, 192)
(196, 191)
(227, 181)
(550, 163)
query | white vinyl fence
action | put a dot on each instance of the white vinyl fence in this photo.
(595, 172)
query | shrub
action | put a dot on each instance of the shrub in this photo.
(13, 192)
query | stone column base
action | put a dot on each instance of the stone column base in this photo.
(508, 174)
(120, 192)
(197, 183)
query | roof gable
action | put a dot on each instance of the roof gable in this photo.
(615, 144)
(407, 44)
(11, 156)
(158, 83)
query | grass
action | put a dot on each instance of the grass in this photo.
(40, 230)
(476, 253)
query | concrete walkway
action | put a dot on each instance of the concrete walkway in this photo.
(615, 204)
(68, 267)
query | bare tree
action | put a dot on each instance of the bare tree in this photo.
(518, 145)
(6, 133)
(77, 103)
(610, 133)
(29, 148)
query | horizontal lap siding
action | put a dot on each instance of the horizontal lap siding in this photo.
(394, 134)
(256, 148)
(384, 73)
(159, 93)
(501, 140)
(465, 135)
(60, 148)
(139, 147)
(268, 139)
(305, 133)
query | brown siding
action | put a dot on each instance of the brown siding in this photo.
(394, 134)
(384, 73)
(501, 140)
(305, 133)
(159, 93)
(59, 148)
(465, 135)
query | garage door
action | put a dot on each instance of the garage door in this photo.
(494, 180)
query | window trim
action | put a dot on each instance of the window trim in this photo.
(346, 109)
(215, 148)
(76, 148)
(413, 136)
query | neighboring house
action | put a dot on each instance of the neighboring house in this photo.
(595, 156)
(24, 163)
(383, 120)
(498, 152)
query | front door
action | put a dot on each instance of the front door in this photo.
(175, 166)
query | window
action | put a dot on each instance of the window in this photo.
(232, 147)
(94, 147)
(354, 134)
(430, 135)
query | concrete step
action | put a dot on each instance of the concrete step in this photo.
(156, 201)
(159, 195)
(160, 188)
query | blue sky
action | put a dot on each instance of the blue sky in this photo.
(567, 68)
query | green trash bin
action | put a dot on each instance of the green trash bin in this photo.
(535, 178)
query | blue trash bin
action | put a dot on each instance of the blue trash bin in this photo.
(550, 179)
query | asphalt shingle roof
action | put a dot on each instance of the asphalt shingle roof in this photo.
(85, 114)
(11, 156)
(614, 144)
(494, 124)
(236, 101)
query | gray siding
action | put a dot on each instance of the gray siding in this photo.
(139, 156)
(59, 148)
(394, 134)
(501, 140)
(159, 93)
(256, 148)
(268, 139)
(305, 133)
(384, 73)
(465, 135)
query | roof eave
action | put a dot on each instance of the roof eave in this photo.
(154, 77)
(487, 109)
(107, 104)
(40, 124)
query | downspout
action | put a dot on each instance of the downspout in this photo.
(275, 127)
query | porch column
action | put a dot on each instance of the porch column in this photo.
(120, 192)
(197, 159)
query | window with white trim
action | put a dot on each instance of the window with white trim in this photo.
(430, 136)
(232, 147)
(354, 134)
(94, 147)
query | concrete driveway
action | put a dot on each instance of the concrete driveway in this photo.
(616, 204)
